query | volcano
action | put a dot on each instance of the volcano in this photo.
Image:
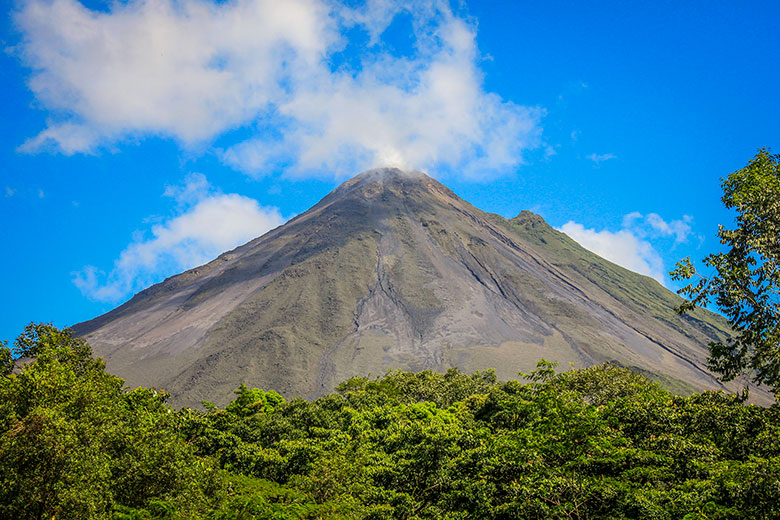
(392, 270)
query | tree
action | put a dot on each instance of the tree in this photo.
(74, 443)
(745, 284)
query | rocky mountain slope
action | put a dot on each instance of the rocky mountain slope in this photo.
(393, 270)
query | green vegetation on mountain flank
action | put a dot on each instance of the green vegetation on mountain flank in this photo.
(600, 442)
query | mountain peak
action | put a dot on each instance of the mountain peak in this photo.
(381, 177)
(393, 270)
(390, 180)
(529, 220)
(389, 174)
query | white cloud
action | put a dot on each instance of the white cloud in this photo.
(653, 225)
(209, 224)
(195, 188)
(193, 70)
(622, 247)
(631, 218)
(189, 69)
(679, 229)
(631, 247)
(600, 158)
(9, 192)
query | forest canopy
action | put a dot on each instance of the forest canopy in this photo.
(600, 442)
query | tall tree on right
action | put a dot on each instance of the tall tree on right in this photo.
(745, 279)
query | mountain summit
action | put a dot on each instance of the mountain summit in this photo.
(393, 270)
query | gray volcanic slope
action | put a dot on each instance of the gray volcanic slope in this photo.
(393, 270)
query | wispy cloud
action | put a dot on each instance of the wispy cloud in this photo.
(598, 158)
(679, 229)
(653, 225)
(193, 70)
(631, 247)
(9, 192)
(207, 223)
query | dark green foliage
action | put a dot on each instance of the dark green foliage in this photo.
(745, 284)
(601, 442)
(6, 359)
(73, 443)
(442, 389)
(249, 402)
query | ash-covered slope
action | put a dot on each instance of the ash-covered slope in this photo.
(393, 270)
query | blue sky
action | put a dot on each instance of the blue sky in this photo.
(143, 138)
